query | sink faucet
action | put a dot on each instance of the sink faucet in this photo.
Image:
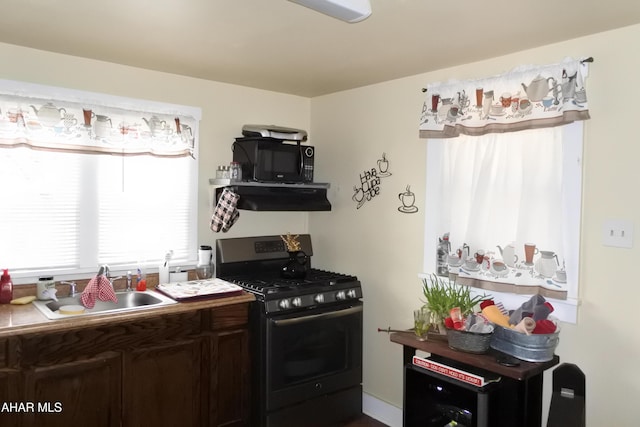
(104, 269)
(72, 288)
(129, 281)
(113, 279)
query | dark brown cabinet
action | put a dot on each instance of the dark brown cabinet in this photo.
(230, 353)
(188, 369)
(229, 365)
(86, 390)
(9, 393)
(163, 385)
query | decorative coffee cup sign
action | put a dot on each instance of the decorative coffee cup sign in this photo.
(408, 200)
(369, 185)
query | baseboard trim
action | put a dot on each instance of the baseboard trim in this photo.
(382, 411)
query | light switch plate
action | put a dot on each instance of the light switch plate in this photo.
(617, 233)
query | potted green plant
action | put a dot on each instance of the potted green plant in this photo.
(442, 295)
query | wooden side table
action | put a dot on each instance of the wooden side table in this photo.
(525, 380)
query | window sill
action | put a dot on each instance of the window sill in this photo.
(564, 310)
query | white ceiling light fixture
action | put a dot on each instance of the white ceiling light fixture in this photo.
(345, 10)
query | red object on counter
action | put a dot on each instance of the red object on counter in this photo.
(6, 288)
(141, 285)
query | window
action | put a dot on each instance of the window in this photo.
(518, 187)
(64, 213)
(504, 179)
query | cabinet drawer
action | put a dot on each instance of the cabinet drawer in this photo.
(54, 348)
(230, 316)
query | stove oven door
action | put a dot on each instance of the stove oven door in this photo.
(313, 354)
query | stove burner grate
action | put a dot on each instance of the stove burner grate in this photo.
(270, 283)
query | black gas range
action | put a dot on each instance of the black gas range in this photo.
(306, 333)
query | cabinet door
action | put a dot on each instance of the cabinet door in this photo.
(162, 385)
(79, 393)
(9, 394)
(229, 393)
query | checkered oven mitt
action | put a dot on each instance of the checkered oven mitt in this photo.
(226, 213)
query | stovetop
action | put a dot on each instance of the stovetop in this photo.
(255, 264)
(272, 283)
(318, 288)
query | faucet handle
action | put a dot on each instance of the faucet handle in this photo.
(113, 279)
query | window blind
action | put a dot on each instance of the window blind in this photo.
(64, 211)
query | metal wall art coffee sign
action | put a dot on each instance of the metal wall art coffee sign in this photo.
(369, 185)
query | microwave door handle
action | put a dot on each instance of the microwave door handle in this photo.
(323, 316)
(301, 166)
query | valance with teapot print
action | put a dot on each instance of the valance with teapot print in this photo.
(55, 119)
(528, 97)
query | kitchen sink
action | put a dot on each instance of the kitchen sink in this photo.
(127, 301)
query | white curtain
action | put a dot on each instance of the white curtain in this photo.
(492, 191)
(503, 188)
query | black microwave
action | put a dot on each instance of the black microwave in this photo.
(274, 160)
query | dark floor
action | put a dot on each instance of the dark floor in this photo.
(365, 421)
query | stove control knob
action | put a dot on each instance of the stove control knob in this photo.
(297, 302)
(319, 298)
(351, 293)
(340, 295)
(284, 304)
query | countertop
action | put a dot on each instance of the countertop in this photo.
(27, 319)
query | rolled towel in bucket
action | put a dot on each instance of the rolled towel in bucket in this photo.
(526, 326)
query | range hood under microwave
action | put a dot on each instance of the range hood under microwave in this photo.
(258, 196)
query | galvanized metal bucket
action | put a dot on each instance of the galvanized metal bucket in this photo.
(531, 348)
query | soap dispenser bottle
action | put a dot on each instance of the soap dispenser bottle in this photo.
(6, 288)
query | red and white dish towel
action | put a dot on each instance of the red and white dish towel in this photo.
(98, 287)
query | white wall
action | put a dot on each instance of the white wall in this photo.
(225, 108)
(383, 247)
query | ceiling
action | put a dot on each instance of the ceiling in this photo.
(281, 46)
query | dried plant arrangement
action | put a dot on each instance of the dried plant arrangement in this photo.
(293, 245)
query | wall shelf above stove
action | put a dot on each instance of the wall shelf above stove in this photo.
(228, 182)
(262, 196)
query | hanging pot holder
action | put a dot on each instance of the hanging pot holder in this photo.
(226, 213)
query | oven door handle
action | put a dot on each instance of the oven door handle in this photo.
(329, 315)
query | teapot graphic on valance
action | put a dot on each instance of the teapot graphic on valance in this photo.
(76, 126)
